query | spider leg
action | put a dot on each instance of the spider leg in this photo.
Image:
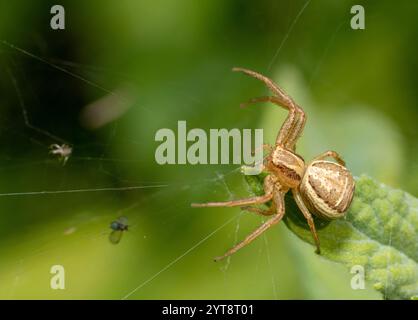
(331, 154)
(293, 126)
(270, 211)
(308, 217)
(53, 148)
(268, 195)
(269, 83)
(236, 203)
(279, 201)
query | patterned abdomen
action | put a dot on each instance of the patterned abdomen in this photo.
(327, 189)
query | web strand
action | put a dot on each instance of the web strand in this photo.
(46, 192)
(25, 112)
(286, 36)
(178, 258)
(74, 75)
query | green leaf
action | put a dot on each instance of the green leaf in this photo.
(379, 233)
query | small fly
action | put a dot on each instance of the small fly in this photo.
(118, 227)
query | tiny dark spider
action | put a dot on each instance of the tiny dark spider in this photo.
(322, 187)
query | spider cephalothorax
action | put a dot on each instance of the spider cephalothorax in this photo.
(322, 187)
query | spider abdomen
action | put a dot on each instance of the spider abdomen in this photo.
(327, 188)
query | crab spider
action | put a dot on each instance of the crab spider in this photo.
(320, 187)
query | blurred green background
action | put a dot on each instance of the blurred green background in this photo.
(158, 62)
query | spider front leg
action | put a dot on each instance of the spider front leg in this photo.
(236, 203)
(278, 199)
(293, 126)
(308, 217)
(330, 154)
(268, 195)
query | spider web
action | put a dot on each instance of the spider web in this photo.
(87, 229)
